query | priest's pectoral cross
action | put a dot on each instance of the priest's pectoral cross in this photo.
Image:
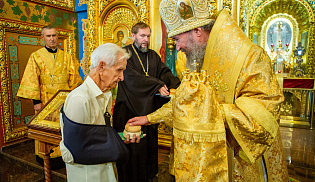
(195, 64)
(52, 80)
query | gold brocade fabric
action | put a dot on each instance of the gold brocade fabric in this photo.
(250, 95)
(250, 98)
(198, 129)
(45, 74)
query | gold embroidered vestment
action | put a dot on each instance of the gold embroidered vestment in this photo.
(249, 99)
(46, 73)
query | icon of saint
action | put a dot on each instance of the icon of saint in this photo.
(185, 11)
(120, 37)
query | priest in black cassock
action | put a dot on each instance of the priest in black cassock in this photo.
(145, 76)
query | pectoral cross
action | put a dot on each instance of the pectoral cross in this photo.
(195, 64)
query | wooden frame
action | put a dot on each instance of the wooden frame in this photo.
(47, 119)
(6, 108)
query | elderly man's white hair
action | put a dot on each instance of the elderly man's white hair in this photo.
(108, 53)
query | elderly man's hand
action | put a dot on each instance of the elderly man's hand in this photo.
(136, 121)
(135, 139)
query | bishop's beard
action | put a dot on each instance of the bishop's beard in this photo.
(193, 52)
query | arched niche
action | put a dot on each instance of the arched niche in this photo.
(299, 10)
(290, 24)
(115, 18)
(294, 9)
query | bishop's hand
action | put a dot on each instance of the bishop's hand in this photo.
(138, 121)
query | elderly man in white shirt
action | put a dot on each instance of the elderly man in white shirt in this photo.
(87, 104)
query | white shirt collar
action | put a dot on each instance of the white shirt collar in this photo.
(93, 87)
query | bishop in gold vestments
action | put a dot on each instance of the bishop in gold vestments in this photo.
(246, 99)
(47, 72)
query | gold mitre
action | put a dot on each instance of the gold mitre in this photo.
(180, 16)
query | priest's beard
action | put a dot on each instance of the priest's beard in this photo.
(142, 49)
(194, 51)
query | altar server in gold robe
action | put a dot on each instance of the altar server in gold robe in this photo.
(247, 98)
(48, 70)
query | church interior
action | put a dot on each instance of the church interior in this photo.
(285, 29)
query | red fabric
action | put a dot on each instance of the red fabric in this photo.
(163, 48)
(298, 83)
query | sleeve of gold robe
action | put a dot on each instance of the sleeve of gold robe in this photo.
(253, 119)
(164, 114)
(74, 75)
(30, 86)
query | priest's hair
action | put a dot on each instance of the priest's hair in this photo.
(109, 53)
(47, 27)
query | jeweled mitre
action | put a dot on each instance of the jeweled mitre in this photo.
(180, 16)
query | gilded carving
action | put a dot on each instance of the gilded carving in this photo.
(5, 95)
(84, 63)
(228, 5)
(104, 3)
(212, 5)
(311, 54)
(299, 6)
(119, 16)
(286, 109)
(62, 4)
(163, 128)
(82, 2)
(297, 104)
(296, 92)
(141, 6)
(143, 10)
(93, 18)
(243, 16)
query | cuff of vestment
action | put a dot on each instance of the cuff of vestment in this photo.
(151, 118)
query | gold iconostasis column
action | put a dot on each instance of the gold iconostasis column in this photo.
(311, 53)
(93, 17)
